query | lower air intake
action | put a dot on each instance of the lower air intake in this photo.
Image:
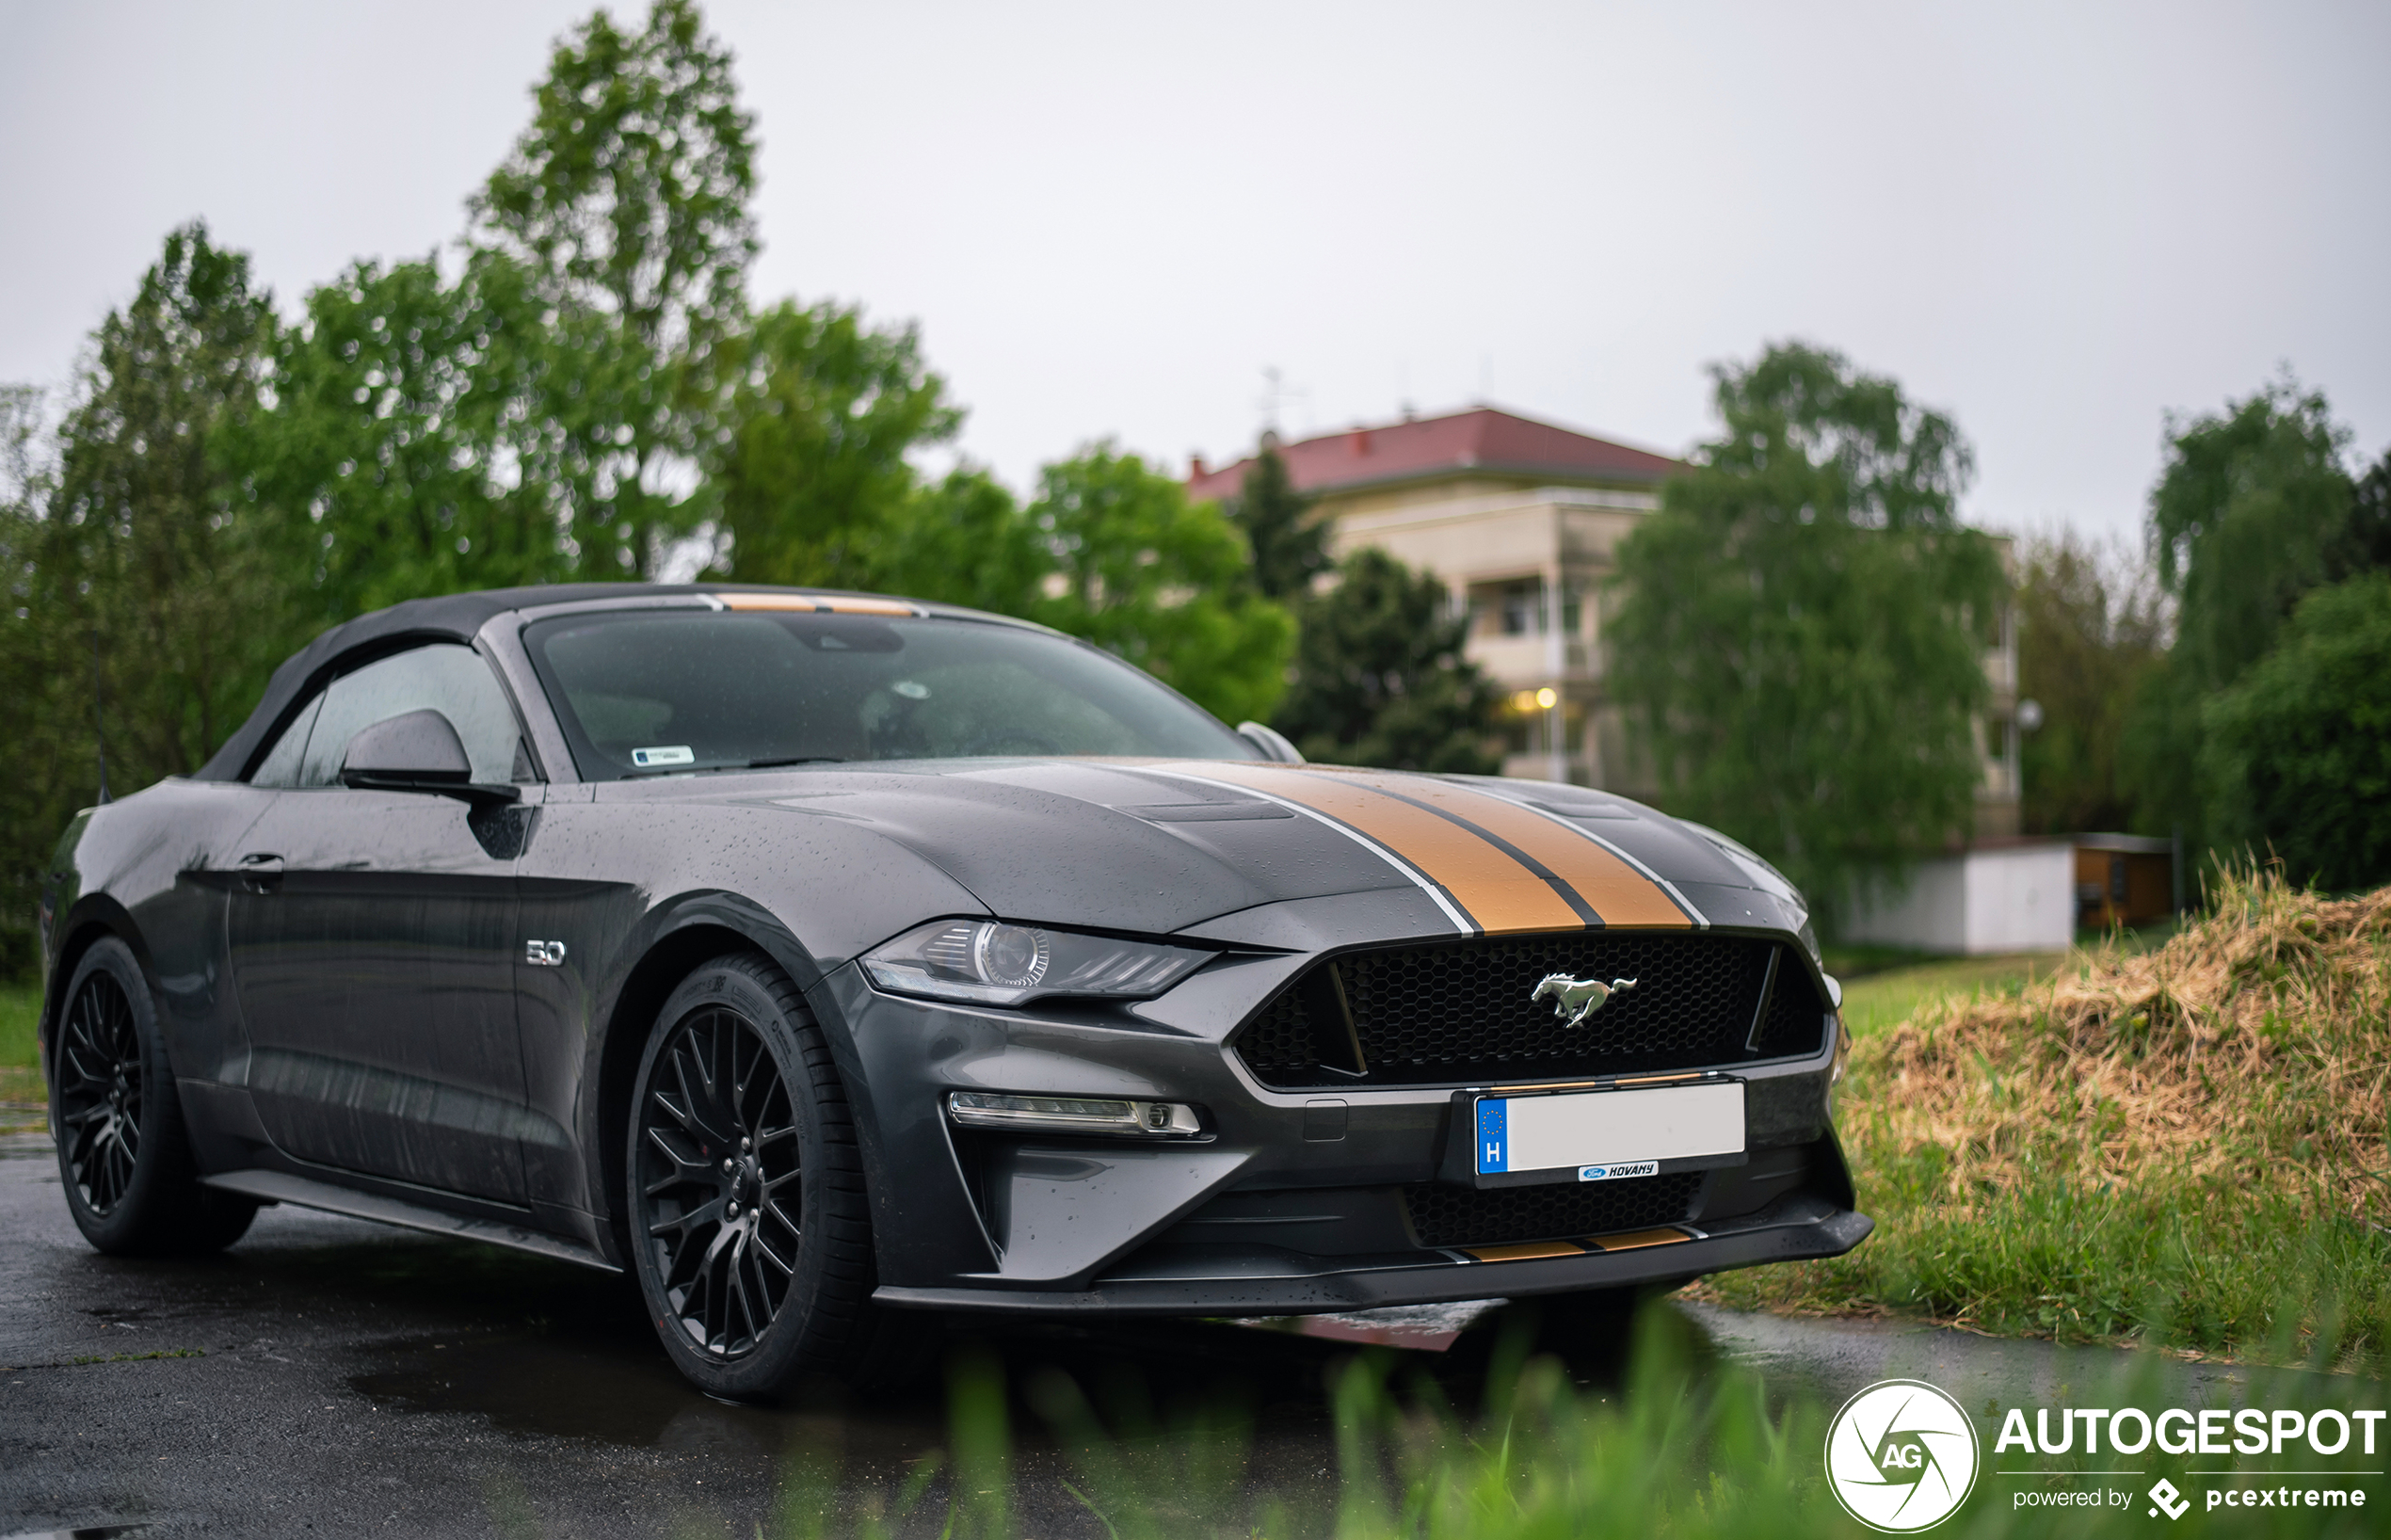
(1566, 1211)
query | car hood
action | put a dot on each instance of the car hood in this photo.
(1159, 846)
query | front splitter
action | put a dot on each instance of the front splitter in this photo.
(1440, 1281)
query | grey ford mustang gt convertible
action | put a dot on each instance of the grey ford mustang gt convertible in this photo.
(824, 957)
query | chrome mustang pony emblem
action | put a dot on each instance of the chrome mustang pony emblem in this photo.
(1576, 999)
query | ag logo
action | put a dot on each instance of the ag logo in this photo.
(1901, 1456)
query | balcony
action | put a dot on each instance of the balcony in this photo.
(1519, 661)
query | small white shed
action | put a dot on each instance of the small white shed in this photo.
(2007, 896)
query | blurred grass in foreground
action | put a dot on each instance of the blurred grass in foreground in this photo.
(1669, 1451)
(2184, 1143)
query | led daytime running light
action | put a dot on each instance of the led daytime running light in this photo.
(1071, 1114)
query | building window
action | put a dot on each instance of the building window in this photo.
(1523, 608)
(1507, 609)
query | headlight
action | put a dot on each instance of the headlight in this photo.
(990, 962)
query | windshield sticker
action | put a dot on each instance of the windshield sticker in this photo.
(647, 758)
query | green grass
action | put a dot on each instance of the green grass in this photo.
(2181, 1263)
(1880, 1001)
(21, 1091)
(2183, 1142)
(19, 1008)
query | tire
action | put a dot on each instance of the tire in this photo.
(124, 1158)
(748, 1225)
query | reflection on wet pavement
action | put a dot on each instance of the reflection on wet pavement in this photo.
(1426, 1328)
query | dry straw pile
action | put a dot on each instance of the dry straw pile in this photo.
(2251, 1054)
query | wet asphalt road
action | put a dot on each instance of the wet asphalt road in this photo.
(328, 1376)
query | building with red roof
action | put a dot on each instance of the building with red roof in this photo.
(1480, 444)
(1521, 519)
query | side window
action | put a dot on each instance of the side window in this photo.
(281, 764)
(445, 678)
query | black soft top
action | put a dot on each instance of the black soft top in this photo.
(452, 618)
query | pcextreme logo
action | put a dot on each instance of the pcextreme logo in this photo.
(1901, 1456)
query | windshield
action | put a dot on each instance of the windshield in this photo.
(650, 692)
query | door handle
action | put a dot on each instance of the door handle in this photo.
(260, 873)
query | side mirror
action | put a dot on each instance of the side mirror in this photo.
(415, 752)
(1272, 743)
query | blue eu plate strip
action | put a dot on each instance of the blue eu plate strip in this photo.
(1493, 1138)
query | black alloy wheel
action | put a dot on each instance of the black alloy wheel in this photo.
(100, 1092)
(746, 1218)
(721, 1207)
(131, 1182)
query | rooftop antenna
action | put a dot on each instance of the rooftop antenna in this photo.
(99, 715)
(1275, 396)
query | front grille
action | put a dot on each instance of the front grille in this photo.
(1796, 1019)
(1461, 1012)
(1569, 1210)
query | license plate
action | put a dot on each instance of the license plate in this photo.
(1609, 1134)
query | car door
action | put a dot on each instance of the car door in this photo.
(372, 937)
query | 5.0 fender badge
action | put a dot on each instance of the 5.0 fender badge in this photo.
(1576, 997)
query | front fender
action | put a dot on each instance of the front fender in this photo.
(669, 939)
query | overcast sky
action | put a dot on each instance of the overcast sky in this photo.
(2057, 222)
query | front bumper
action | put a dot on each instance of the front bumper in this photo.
(1291, 1201)
(1263, 1284)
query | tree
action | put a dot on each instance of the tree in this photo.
(964, 542)
(50, 772)
(393, 462)
(141, 595)
(627, 197)
(1290, 548)
(2090, 630)
(2297, 755)
(820, 413)
(1380, 679)
(143, 548)
(1799, 629)
(2247, 511)
(2364, 544)
(2252, 509)
(1168, 584)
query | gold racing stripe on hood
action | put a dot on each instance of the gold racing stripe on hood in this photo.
(1498, 892)
(1614, 890)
